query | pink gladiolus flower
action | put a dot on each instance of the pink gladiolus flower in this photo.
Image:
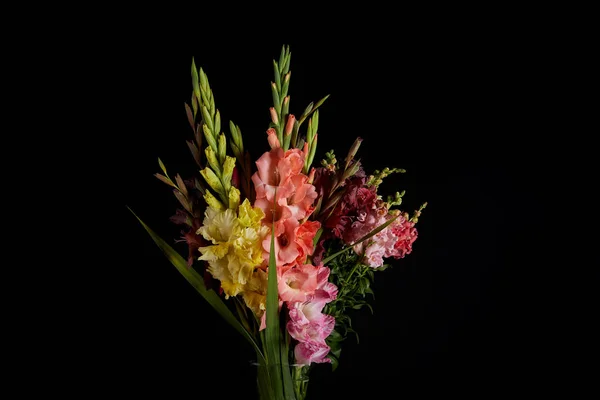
(286, 250)
(308, 352)
(297, 283)
(304, 330)
(305, 233)
(304, 196)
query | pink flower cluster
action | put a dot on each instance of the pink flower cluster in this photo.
(306, 290)
(359, 213)
(286, 195)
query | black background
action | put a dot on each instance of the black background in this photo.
(454, 106)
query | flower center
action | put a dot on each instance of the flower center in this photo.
(283, 240)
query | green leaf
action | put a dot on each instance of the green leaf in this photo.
(277, 75)
(288, 60)
(321, 101)
(317, 237)
(162, 167)
(282, 56)
(313, 109)
(273, 332)
(276, 100)
(307, 111)
(315, 122)
(197, 283)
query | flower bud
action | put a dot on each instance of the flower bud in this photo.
(290, 125)
(274, 115)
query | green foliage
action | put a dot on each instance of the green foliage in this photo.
(353, 280)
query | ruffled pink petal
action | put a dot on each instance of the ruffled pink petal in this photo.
(307, 353)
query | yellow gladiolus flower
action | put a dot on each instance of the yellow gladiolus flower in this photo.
(236, 248)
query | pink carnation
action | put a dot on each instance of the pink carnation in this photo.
(406, 233)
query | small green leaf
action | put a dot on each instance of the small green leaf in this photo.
(162, 167)
(320, 102)
(276, 100)
(277, 75)
(317, 237)
(288, 60)
(282, 56)
(307, 111)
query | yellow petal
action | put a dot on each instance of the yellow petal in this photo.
(213, 253)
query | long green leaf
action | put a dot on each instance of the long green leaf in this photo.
(273, 333)
(198, 283)
(366, 237)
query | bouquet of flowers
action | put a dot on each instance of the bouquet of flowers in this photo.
(283, 250)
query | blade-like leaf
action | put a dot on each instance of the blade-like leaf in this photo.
(165, 180)
(197, 283)
(277, 75)
(306, 115)
(273, 333)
